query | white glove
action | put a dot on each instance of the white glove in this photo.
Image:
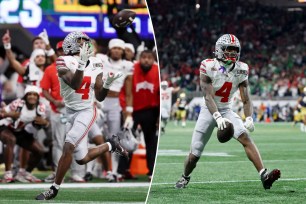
(249, 124)
(111, 77)
(128, 123)
(141, 47)
(220, 120)
(44, 36)
(84, 56)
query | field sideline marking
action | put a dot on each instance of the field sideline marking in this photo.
(228, 162)
(75, 185)
(234, 181)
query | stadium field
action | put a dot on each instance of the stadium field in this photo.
(97, 191)
(225, 175)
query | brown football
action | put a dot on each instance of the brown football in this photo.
(225, 134)
(124, 18)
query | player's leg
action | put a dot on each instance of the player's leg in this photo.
(183, 116)
(251, 150)
(9, 140)
(201, 134)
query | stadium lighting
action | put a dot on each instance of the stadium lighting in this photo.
(302, 1)
(197, 6)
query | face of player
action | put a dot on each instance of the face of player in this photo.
(39, 44)
(81, 41)
(116, 53)
(32, 98)
(164, 87)
(231, 53)
(40, 60)
(146, 61)
(129, 55)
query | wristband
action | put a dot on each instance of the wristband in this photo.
(81, 66)
(216, 115)
(50, 52)
(106, 85)
(129, 109)
(7, 46)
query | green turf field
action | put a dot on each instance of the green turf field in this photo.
(123, 192)
(225, 175)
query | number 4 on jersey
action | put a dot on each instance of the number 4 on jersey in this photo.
(84, 89)
(224, 91)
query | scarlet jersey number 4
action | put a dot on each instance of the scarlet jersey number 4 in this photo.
(224, 91)
(84, 90)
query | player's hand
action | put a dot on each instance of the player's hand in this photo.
(221, 122)
(141, 47)
(6, 39)
(44, 36)
(111, 77)
(249, 124)
(128, 123)
(85, 53)
(40, 121)
(59, 104)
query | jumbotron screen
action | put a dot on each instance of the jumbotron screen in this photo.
(60, 17)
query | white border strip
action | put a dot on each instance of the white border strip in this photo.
(75, 185)
(233, 181)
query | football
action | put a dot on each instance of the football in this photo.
(124, 18)
(226, 134)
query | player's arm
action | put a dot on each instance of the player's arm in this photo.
(245, 98)
(101, 87)
(247, 105)
(49, 50)
(100, 91)
(72, 80)
(129, 95)
(6, 39)
(208, 92)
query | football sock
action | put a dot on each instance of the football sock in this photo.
(109, 146)
(56, 186)
(261, 171)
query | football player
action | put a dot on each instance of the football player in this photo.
(80, 77)
(220, 78)
(300, 110)
(114, 62)
(181, 111)
(166, 99)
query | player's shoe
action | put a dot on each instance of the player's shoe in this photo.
(268, 178)
(182, 183)
(31, 178)
(50, 178)
(116, 146)
(88, 176)
(76, 178)
(111, 177)
(8, 177)
(21, 178)
(48, 194)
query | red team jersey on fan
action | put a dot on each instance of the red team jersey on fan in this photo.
(145, 88)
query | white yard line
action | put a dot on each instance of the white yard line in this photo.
(75, 185)
(229, 162)
(233, 181)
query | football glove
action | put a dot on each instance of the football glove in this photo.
(249, 125)
(84, 56)
(128, 123)
(44, 36)
(220, 120)
(111, 77)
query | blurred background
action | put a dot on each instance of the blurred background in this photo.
(273, 39)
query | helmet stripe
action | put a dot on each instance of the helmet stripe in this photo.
(232, 38)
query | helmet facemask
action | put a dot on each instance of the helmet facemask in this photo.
(231, 54)
(228, 49)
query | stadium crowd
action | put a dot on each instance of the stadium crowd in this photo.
(272, 39)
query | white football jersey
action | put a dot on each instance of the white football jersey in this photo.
(83, 97)
(109, 65)
(26, 116)
(224, 82)
(166, 98)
